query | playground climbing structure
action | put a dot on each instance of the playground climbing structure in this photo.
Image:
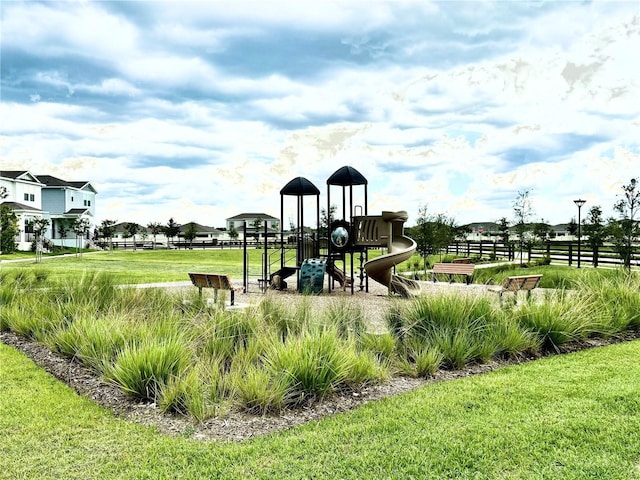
(387, 230)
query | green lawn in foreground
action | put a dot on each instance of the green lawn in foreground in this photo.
(572, 416)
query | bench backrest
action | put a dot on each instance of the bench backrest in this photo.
(454, 268)
(521, 282)
(199, 280)
(210, 280)
(219, 281)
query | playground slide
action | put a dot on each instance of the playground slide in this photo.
(339, 276)
(401, 248)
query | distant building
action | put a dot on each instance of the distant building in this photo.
(255, 225)
(43, 196)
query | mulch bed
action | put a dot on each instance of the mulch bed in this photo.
(239, 426)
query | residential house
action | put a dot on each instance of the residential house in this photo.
(255, 225)
(24, 197)
(43, 196)
(66, 202)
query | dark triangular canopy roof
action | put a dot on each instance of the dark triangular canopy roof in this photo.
(347, 176)
(299, 186)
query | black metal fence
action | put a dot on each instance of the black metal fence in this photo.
(557, 251)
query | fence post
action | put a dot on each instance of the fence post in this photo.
(480, 248)
(595, 256)
(529, 253)
(570, 254)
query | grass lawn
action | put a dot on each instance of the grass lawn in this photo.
(146, 266)
(571, 416)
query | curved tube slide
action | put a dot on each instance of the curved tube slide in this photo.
(400, 248)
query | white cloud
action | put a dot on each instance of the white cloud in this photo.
(145, 107)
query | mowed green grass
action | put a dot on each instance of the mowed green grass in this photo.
(147, 266)
(571, 416)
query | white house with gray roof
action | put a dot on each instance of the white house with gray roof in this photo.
(44, 196)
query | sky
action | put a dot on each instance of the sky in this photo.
(200, 111)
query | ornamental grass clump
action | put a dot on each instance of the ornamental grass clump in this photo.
(560, 318)
(450, 324)
(454, 330)
(287, 319)
(315, 363)
(143, 369)
(617, 297)
(258, 391)
(347, 317)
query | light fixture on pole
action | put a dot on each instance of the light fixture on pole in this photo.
(579, 203)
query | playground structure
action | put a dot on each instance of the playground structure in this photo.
(343, 248)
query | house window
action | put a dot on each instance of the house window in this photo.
(26, 197)
(32, 197)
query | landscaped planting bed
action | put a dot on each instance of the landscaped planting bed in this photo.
(194, 358)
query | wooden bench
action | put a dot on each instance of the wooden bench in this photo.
(517, 284)
(215, 281)
(461, 260)
(451, 269)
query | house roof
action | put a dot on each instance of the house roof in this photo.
(15, 206)
(199, 228)
(55, 182)
(252, 216)
(78, 211)
(23, 175)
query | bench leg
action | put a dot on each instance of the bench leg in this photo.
(215, 295)
(232, 298)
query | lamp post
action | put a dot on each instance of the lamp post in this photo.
(579, 203)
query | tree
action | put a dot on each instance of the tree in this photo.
(462, 232)
(257, 228)
(523, 211)
(107, 230)
(130, 230)
(572, 227)
(80, 226)
(626, 229)
(8, 225)
(155, 228)
(432, 233)
(39, 227)
(190, 232)
(171, 230)
(233, 233)
(323, 228)
(503, 230)
(63, 228)
(542, 231)
(595, 230)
